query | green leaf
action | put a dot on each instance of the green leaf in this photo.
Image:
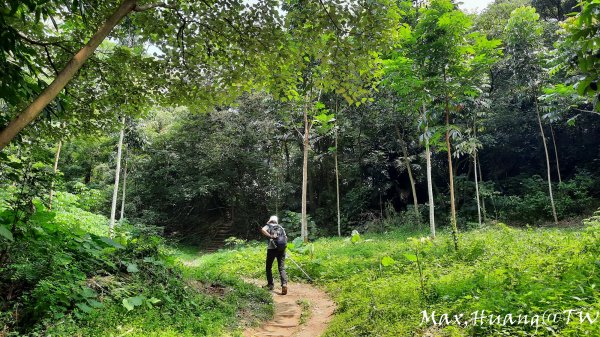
(84, 307)
(127, 304)
(131, 302)
(154, 300)
(387, 261)
(132, 268)
(138, 300)
(410, 257)
(111, 242)
(95, 304)
(4, 232)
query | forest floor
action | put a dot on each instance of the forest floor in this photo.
(304, 312)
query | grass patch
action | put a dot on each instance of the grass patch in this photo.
(305, 310)
(498, 269)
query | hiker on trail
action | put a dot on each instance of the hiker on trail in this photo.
(276, 249)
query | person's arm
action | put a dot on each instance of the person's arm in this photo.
(264, 232)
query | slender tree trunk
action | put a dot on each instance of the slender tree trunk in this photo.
(64, 76)
(304, 225)
(124, 187)
(555, 154)
(56, 157)
(113, 210)
(537, 114)
(337, 185)
(429, 180)
(477, 188)
(481, 180)
(451, 174)
(410, 174)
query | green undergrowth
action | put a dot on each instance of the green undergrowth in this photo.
(382, 283)
(60, 275)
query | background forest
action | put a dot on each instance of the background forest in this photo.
(193, 121)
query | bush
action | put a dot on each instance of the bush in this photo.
(532, 204)
(60, 275)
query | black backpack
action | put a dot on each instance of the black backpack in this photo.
(281, 239)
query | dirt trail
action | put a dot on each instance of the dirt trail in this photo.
(289, 309)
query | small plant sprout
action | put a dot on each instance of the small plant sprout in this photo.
(419, 246)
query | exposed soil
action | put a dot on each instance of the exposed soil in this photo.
(288, 310)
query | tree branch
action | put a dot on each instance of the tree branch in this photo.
(42, 43)
(590, 111)
(330, 17)
(50, 60)
(139, 8)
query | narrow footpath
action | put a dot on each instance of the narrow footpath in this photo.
(304, 312)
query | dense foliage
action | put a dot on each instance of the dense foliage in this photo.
(193, 121)
(62, 276)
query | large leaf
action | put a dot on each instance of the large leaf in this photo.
(4, 232)
(387, 261)
(410, 257)
(132, 268)
(111, 242)
(131, 302)
(84, 307)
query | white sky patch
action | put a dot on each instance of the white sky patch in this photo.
(476, 6)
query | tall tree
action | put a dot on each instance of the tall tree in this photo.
(447, 51)
(327, 50)
(113, 209)
(525, 51)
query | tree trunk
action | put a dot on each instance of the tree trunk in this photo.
(555, 154)
(113, 209)
(304, 225)
(337, 185)
(451, 174)
(410, 175)
(477, 188)
(64, 76)
(124, 187)
(429, 180)
(537, 114)
(287, 161)
(481, 180)
(56, 157)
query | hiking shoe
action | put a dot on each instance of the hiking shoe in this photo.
(269, 287)
(284, 289)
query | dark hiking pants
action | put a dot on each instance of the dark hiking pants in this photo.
(272, 254)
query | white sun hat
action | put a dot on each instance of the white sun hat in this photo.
(273, 219)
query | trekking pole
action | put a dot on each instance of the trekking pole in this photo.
(297, 265)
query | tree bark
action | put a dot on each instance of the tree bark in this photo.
(451, 174)
(113, 210)
(304, 224)
(124, 187)
(477, 188)
(64, 76)
(56, 157)
(556, 154)
(337, 185)
(429, 180)
(537, 114)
